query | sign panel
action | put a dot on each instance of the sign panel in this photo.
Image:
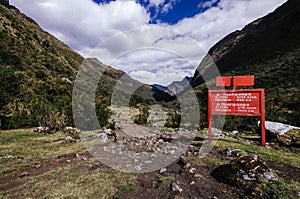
(235, 102)
(228, 107)
(244, 102)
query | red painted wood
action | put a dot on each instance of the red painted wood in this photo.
(209, 116)
(246, 102)
(224, 81)
(243, 80)
(262, 119)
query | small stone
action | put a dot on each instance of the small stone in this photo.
(91, 167)
(80, 157)
(192, 170)
(192, 183)
(24, 174)
(172, 151)
(25, 160)
(234, 132)
(37, 166)
(162, 170)
(68, 139)
(138, 168)
(188, 165)
(68, 161)
(175, 187)
(153, 155)
(198, 176)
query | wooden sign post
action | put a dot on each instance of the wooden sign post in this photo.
(244, 102)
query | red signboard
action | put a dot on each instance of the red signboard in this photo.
(247, 102)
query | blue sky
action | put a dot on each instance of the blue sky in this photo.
(154, 41)
(178, 9)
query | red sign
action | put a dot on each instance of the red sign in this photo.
(247, 102)
(235, 102)
(235, 81)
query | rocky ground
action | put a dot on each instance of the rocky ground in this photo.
(236, 167)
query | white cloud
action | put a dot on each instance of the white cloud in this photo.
(83, 25)
(206, 4)
(169, 6)
(230, 15)
(156, 3)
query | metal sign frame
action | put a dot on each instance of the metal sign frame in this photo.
(242, 102)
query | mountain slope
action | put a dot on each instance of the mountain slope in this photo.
(261, 40)
(268, 48)
(37, 72)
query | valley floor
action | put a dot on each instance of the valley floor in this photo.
(34, 165)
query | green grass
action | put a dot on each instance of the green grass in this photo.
(28, 144)
(71, 181)
(291, 159)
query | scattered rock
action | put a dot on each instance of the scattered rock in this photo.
(91, 167)
(102, 136)
(37, 166)
(192, 170)
(175, 188)
(80, 157)
(7, 157)
(25, 160)
(138, 168)
(188, 165)
(71, 130)
(69, 139)
(42, 129)
(24, 174)
(66, 80)
(68, 161)
(162, 170)
(192, 183)
(233, 152)
(198, 176)
(234, 132)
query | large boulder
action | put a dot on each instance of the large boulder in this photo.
(250, 168)
(279, 128)
(243, 170)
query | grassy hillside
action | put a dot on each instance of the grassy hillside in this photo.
(33, 64)
(37, 73)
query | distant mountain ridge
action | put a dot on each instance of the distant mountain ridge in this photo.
(175, 87)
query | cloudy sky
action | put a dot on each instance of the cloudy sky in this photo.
(154, 41)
